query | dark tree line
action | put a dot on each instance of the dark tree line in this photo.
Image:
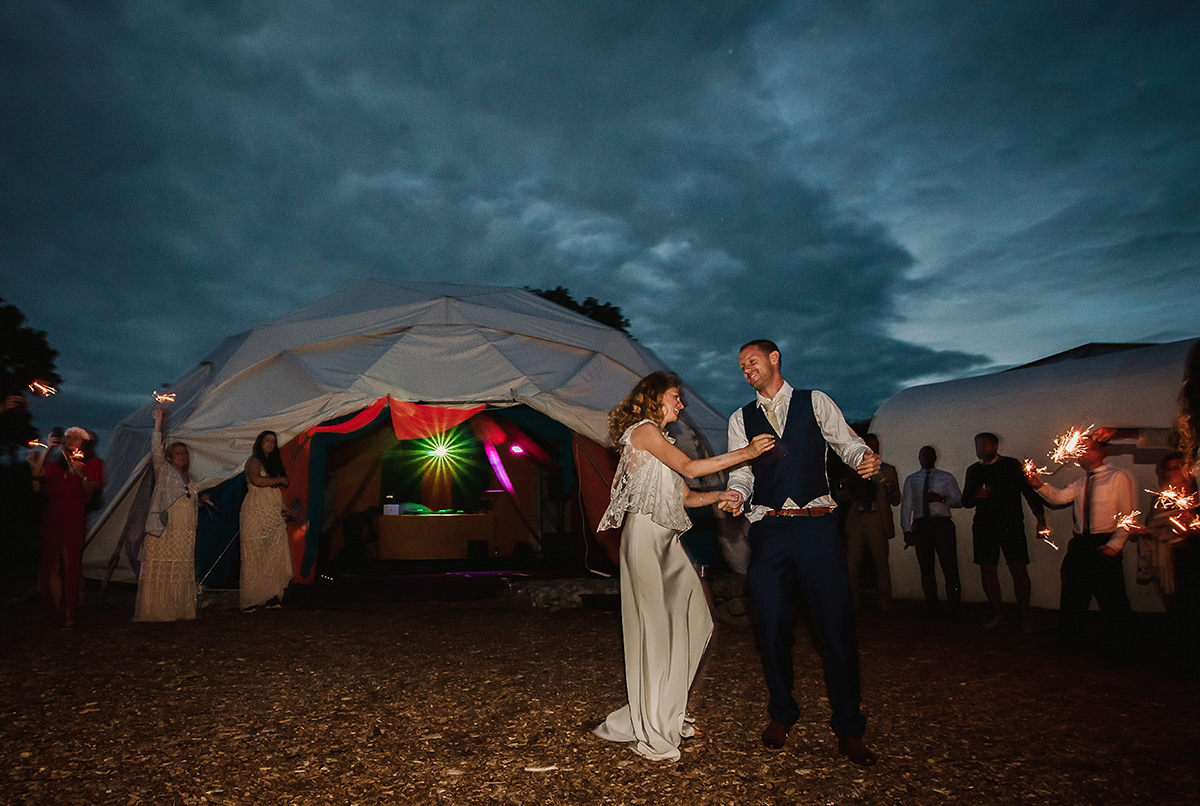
(603, 312)
(25, 357)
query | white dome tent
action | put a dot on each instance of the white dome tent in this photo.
(437, 345)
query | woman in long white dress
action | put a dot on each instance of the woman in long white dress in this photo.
(665, 619)
(167, 580)
(266, 555)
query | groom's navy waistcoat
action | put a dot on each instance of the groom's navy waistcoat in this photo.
(795, 468)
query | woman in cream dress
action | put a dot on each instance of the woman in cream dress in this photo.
(664, 614)
(167, 580)
(266, 555)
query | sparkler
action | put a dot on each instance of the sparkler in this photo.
(1031, 468)
(1070, 445)
(164, 397)
(1128, 522)
(1185, 522)
(43, 389)
(1044, 534)
(1170, 498)
(33, 443)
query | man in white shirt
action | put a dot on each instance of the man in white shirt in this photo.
(794, 541)
(929, 495)
(1092, 567)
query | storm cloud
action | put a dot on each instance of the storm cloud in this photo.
(893, 192)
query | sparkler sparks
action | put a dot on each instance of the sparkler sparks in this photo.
(1070, 445)
(1185, 522)
(42, 389)
(1044, 534)
(164, 397)
(1127, 522)
(1170, 498)
(33, 443)
(1031, 468)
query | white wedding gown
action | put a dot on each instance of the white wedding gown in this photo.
(665, 619)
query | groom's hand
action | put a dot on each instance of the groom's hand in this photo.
(870, 464)
(731, 502)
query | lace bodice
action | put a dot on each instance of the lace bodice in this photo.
(646, 486)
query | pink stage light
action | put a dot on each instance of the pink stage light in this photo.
(498, 467)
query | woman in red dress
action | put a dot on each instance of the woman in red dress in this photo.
(70, 482)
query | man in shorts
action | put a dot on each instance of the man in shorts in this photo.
(994, 486)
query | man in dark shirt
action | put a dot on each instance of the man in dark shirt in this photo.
(994, 486)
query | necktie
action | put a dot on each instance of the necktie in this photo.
(772, 415)
(925, 496)
(1085, 518)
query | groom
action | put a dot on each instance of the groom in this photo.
(794, 541)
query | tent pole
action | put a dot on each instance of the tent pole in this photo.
(114, 560)
(213, 567)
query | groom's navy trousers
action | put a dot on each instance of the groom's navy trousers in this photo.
(787, 553)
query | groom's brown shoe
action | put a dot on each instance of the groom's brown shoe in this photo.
(775, 736)
(856, 750)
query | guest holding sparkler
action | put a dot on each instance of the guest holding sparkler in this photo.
(1158, 539)
(266, 555)
(167, 580)
(994, 486)
(664, 613)
(1092, 567)
(69, 482)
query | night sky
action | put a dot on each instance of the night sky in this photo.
(896, 192)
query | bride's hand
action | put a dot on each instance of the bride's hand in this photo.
(761, 444)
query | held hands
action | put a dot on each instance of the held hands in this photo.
(731, 502)
(935, 498)
(870, 464)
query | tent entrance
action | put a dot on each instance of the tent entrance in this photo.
(496, 491)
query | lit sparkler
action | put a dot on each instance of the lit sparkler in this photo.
(43, 389)
(33, 443)
(1128, 522)
(1044, 534)
(1170, 498)
(1070, 445)
(1185, 522)
(164, 397)
(1031, 468)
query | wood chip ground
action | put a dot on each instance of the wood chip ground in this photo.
(491, 702)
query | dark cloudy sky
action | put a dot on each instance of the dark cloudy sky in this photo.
(894, 191)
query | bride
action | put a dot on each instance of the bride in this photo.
(664, 614)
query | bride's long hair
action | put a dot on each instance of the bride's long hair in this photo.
(645, 402)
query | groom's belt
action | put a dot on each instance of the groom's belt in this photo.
(806, 512)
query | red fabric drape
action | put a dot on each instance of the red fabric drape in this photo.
(596, 466)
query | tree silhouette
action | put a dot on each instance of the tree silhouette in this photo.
(25, 357)
(603, 312)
